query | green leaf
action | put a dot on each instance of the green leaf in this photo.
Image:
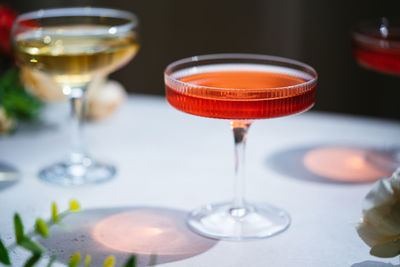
(19, 228)
(4, 257)
(17, 102)
(74, 206)
(41, 228)
(109, 262)
(88, 259)
(131, 262)
(63, 225)
(31, 245)
(74, 259)
(32, 260)
(52, 260)
(54, 213)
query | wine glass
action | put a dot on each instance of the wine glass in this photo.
(376, 46)
(240, 88)
(75, 46)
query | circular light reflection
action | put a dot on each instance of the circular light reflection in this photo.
(149, 233)
(342, 164)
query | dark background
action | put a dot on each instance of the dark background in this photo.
(316, 32)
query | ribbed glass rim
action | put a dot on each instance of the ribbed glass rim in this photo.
(169, 70)
(77, 12)
(361, 31)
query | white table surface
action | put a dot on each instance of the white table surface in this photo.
(170, 162)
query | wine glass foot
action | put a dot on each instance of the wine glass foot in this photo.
(73, 173)
(385, 159)
(220, 221)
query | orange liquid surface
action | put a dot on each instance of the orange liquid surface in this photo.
(257, 95)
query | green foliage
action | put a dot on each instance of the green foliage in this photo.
(109, 262)
(14, 98)
(41, 228)
(74, 260)
(74, 206)
(19, 228)
(52, 260)
(32, 260)
(87, 261)
(54, 213)
(4, 257)
(31, 245)
(131, 262)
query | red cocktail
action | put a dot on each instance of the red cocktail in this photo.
(378, 48)
(239, 87)
(261, 92)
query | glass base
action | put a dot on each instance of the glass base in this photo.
(86, 171)
(387, 160)
(221, 221)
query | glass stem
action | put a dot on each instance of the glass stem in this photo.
(240, 129)
(77, 98)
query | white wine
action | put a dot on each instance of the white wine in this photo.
(73, 58)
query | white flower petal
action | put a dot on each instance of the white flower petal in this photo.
(104, 99)
(385, 219)
(380, 195)
(386, 250)
(41, 85)
(395, 183)
(380, 228)
(369, 234)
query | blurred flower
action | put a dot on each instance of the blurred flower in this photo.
(41, 85)
(380, 226)
(104, 96)
(6, 122)
(7, 17)
(103, 100)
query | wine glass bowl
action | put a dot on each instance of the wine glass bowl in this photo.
(74, 47)
(239, 88)
(376, 47)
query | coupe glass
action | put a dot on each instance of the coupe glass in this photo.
(75, 46)
(376, 46)
(239, 88)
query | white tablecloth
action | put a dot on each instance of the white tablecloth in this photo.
(170, 162)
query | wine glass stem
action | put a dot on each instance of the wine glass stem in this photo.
(240, 129)
(77, 98)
